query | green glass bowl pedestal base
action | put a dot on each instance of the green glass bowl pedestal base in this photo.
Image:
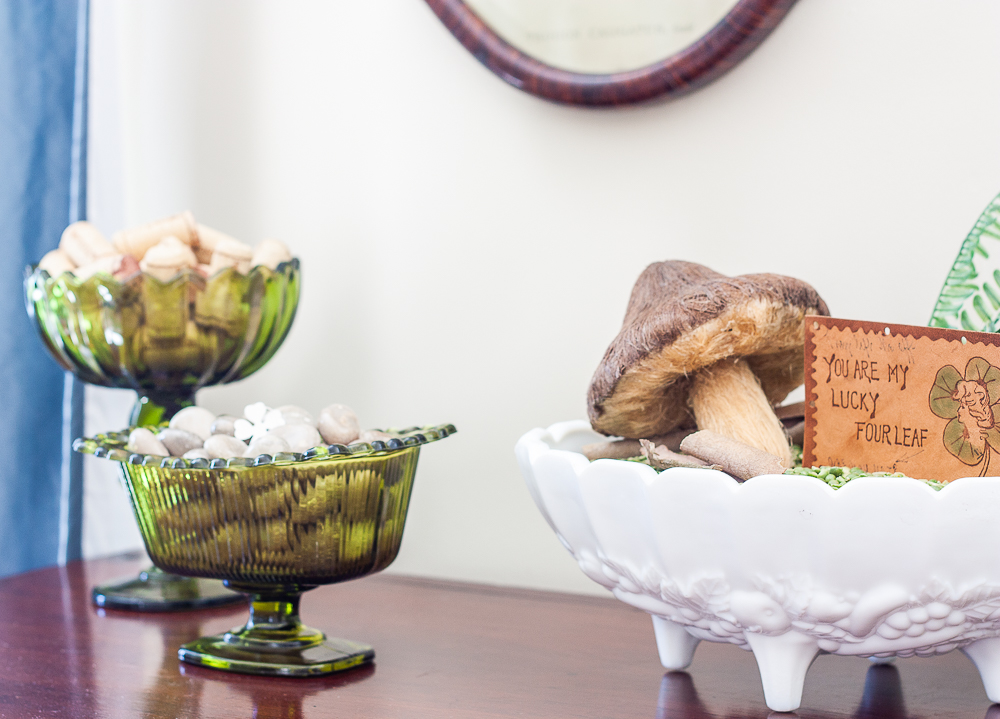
(273, 527)
(274, 642)
(156, 591)
(165, 339)
(152, 408)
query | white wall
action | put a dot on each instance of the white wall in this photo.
(468, 250)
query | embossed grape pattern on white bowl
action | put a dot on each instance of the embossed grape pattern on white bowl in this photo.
(781, 565)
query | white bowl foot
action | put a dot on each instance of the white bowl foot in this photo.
(675, 645)
(783, 661)
(985, 654)
(879, 661)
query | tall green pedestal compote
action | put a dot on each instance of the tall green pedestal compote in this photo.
(274, 527)
(165, 340)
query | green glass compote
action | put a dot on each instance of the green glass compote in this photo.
(165, 340)
(273, 527)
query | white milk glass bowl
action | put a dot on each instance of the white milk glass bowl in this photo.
(781, 565)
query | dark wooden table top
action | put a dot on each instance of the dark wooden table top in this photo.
(442, 650)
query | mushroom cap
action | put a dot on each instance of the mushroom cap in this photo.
(682, 317)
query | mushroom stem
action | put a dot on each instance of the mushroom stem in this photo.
(727, 398)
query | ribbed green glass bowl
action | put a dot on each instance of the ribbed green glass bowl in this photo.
(165, 340)
(273, 527)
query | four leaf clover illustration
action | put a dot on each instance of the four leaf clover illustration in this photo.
(970, 402)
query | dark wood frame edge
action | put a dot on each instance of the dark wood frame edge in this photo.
(721, 49)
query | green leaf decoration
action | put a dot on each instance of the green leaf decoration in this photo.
(970, 298)
(956, 442)
(993, 438)
(981, 370)
(941, 400)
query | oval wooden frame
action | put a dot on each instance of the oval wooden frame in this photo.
(719, 50)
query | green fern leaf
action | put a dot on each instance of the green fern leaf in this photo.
(962, 291)
(992, 295)
(963, 302)
(980, 307)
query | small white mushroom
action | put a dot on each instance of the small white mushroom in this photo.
(168, 257)
(138, 240)
(143, 441)
(196, 420)
(230, 253)
(208, 239)
(118, 266)
(55, 262)
(179, 441)
(127, 268)
(198, 453)
(84, 243)
(338, 424)
(270, 253)
(222, 446)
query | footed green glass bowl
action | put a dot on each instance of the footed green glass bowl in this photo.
(165, 340)
(273, 527)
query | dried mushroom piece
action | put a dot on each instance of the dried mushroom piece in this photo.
(697, 347)
(659, 457)
(736, 458)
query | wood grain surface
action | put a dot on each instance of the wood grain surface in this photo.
(718, 51)
(442, 650)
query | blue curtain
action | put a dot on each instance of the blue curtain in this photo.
(43, 73)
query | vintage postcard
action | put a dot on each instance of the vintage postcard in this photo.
(893, 398)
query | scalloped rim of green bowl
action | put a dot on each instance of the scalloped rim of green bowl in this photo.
(111, 446)
(185, 274)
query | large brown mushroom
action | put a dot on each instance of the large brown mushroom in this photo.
(701, 349)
